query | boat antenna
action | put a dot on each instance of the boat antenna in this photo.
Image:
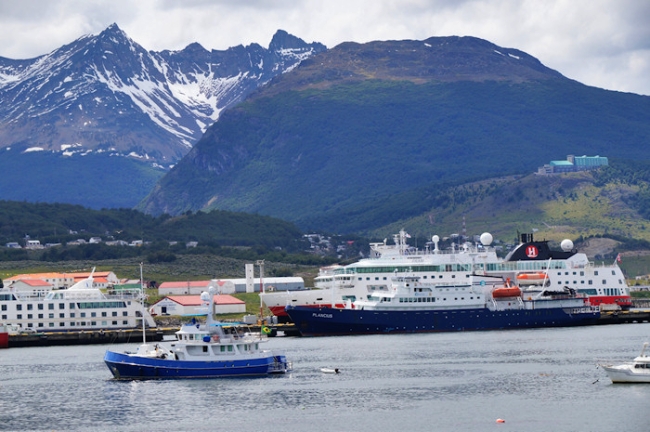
(144, 333)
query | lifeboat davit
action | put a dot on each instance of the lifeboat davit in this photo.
(534, 278)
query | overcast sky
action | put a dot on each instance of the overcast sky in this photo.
(602, 43)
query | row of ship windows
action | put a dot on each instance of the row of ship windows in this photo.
(230, 348)
(423, 277)
(555, 265)
(84, 305)
(78, 324)
(419, 299)
(72, 315)
(589, 282)
(457, 268)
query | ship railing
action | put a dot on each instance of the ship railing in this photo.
(134, 294)
(29, 295)
(386, 253)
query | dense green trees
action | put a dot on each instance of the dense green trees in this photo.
(224, 233)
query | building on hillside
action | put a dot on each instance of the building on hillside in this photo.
(65, 280)
(102, 279)
(192, 305)
(292, 283)
(573, 164)
(35, 287)
(231, 286)
(55, 280)
(33, 244)
(116, 243)
(183, 288)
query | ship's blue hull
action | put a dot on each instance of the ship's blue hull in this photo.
(331, 322)
(125, 366)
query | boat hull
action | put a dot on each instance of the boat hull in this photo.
(132, 367)
(280, 311)
(332, 322)
(626, 374)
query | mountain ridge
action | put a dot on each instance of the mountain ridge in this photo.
(106, 95)
(323, 146)
(173, 95)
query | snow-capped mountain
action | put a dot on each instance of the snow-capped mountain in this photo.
(107, 94)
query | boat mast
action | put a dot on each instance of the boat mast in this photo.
(144, 333)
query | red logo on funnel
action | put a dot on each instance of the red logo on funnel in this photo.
(531, 251)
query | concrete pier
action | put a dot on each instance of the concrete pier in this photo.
(84, 337)
(624, 317)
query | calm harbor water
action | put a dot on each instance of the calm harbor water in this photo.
(536, 380)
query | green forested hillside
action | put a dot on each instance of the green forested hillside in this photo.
(608, 202)
(224, 233)
(331, 158)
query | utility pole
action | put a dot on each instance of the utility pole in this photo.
(261, 264)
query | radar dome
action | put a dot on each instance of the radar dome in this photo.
(566, 245)
(486, 239)
(435, 239)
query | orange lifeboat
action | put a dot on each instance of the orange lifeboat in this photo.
(533, 278)
(506, 291)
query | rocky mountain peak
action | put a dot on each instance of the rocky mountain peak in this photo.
(283, 40)
(107, 93)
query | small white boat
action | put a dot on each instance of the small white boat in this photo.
(330, 370)
(637, 371)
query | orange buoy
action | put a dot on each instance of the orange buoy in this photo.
(501, 421)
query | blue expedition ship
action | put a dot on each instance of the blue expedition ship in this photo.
(531, 264)
(410, 305)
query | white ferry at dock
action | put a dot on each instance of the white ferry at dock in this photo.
(531, 263)
(79, 307)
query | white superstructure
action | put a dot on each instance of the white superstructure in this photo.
(80, 307)
(530, 263)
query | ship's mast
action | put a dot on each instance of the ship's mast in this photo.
(144, 333)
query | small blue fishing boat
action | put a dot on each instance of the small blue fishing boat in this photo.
(210, 350)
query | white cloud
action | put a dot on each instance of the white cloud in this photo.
(604, 43)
